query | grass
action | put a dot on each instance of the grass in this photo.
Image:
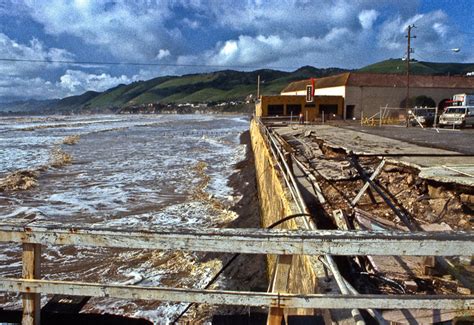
(419, 67)
(187, 80)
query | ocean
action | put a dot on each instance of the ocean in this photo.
(114, 171)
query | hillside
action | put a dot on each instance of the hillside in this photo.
(212, 87)
(419, 67)
(217, 86)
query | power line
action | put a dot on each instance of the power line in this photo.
(143, 64)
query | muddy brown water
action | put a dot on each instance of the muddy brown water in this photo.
(140, 171)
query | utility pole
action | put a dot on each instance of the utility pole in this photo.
(409, 51)
(258, 87)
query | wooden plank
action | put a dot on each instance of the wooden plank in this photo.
(341, 220)
(257, 299)
(279, 285)
(367, 183)
(31, 270)
(314, 181)
(250, 241)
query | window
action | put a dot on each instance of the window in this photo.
(293, 109)
(275, 109)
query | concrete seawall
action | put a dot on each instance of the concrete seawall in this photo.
(275, 203)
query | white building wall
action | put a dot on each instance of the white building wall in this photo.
(294, 93)
(331, 91)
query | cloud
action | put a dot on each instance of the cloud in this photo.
(163, 53)
(16, 88)
(367, 18)
(75, 82)
(127, 29)
(72, 82)
(33, 50)
(433, 40)
(273, 50)
(193, 24)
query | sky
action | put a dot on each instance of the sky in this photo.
(192, 36)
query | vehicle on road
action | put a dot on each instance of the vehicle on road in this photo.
(423, 116)
(463, 100)
(461, 116)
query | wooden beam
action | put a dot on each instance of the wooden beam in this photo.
(258, 299)
(367, 183)
(280, 284)
(249, 241)
(31, 270)
(340, 219)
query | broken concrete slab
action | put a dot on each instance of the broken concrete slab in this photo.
(460, 171)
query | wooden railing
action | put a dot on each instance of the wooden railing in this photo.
(32, 235)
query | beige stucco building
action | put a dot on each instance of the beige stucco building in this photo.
(365, 93)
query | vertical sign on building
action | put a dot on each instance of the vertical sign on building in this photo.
(309, 93)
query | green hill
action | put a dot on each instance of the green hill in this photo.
(419, 67)
(219, 86)
(212, 87)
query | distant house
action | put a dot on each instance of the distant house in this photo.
(367, 92)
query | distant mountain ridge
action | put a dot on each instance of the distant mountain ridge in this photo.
(419, 67)
(212, 87)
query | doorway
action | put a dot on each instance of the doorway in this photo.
(350, 111)
(329, 111)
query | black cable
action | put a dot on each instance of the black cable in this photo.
(394, 284)
(234, 257)
(292, 216)
(144, 64)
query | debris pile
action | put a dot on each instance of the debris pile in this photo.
(19, 180)
(427, 204)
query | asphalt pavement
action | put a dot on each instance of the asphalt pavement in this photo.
(456, 140)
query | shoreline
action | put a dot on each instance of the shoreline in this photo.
(247, 272)
(240, 181)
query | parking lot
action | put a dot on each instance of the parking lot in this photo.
(449, 139)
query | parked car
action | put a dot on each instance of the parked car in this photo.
(425, 116)
(461, 116)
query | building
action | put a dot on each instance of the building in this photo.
(365, 93)
(287, 106)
